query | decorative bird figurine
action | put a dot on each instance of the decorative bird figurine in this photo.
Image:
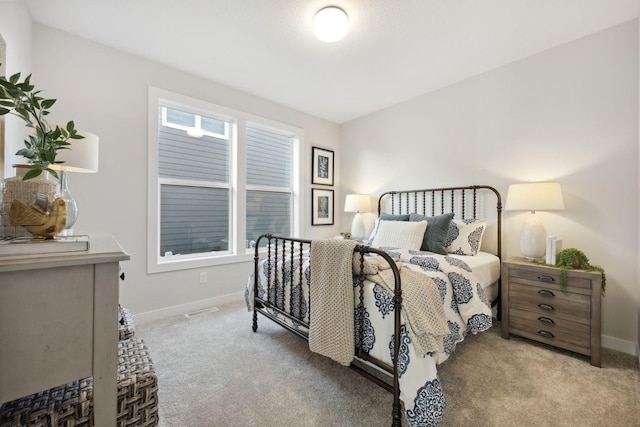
(40, 219)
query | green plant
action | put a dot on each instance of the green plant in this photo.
(21, 99)
(572, 258)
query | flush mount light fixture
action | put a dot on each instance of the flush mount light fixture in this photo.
(330, 24)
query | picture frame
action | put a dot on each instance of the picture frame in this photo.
(321, 206)
(322, 166)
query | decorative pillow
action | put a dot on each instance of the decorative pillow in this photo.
(390, 217)
(400, 234)
(384, 217)
(436, 234)
(465, 236)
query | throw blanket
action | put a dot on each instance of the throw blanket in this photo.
(331, 329)
(422, 308)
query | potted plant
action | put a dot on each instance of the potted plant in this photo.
(21, 99)
(572, 258)
(28, 204)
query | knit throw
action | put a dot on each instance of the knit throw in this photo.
(331, 321)
(422, 308)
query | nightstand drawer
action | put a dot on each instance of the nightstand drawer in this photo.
(578, 343)
(548, 322)
(572, 306)
(550, 279)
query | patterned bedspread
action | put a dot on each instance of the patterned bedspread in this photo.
(466, 310)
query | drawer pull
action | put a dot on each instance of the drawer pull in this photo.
(544, 278)
(546, 307)
(546, 293)
(546, 334)
(546, 320)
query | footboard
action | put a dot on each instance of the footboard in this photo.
(284, 299)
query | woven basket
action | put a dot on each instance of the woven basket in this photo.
(126, 327)
(71, 405)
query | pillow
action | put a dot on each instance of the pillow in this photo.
(465, 236)
(400, 234)
(436, 234)
(390, 217)
(384, 217)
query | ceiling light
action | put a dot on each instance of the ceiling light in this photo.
(330, 24)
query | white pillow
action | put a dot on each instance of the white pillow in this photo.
(373, 232)
(400, 234)
(465, 236)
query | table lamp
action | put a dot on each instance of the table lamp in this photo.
(534, 196)
(81, 157)
(357, 203)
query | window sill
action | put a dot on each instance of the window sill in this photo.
(201, 262)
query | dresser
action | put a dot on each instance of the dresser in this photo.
(535, 306)
(58, 322)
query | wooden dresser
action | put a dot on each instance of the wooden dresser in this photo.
(534, 306)
(59, 322)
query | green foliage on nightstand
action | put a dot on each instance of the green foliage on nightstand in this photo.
(572, 258)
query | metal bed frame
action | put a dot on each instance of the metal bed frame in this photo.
(272, 305)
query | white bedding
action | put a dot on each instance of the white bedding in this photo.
(462, 281)
(486, 267)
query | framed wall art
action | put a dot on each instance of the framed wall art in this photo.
(322, 166)
(321, 206)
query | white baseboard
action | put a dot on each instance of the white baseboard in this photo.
(628, 347)
(178, 310)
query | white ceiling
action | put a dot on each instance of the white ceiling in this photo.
(395, 49)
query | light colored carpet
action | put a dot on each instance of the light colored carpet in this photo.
(214, 371)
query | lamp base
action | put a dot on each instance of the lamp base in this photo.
(533, 238)
(357, 227)
(72, 205)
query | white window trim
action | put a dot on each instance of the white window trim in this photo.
(237, 252)
(198, 125)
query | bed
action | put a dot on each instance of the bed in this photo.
(397, 305)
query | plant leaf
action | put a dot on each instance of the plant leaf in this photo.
(47, 103)
(32, 174)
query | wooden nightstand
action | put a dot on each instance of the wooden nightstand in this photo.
(535, 307)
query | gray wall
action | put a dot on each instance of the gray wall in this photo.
(568, 114)
(105, 91)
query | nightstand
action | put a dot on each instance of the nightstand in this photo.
(535, 307)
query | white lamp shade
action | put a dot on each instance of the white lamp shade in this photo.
(357, 203)
(330, 24)
(82, 155)
(535, 196)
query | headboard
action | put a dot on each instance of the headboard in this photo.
(472, 202)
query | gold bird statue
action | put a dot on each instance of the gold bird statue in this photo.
(40, 219)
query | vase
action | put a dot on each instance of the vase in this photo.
(27, 192)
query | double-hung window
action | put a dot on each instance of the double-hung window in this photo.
(218, 178)
(269, 182)
(195, 186)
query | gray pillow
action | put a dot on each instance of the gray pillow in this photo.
(389, 217)
(436, 234)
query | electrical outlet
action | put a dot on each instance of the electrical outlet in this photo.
(203, 277)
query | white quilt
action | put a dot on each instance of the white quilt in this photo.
(466, 310)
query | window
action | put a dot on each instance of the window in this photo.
(218, 179)
(269, 190)
(195, 189)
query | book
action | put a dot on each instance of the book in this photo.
(30, 246)
(554, 246)
(550, 256)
